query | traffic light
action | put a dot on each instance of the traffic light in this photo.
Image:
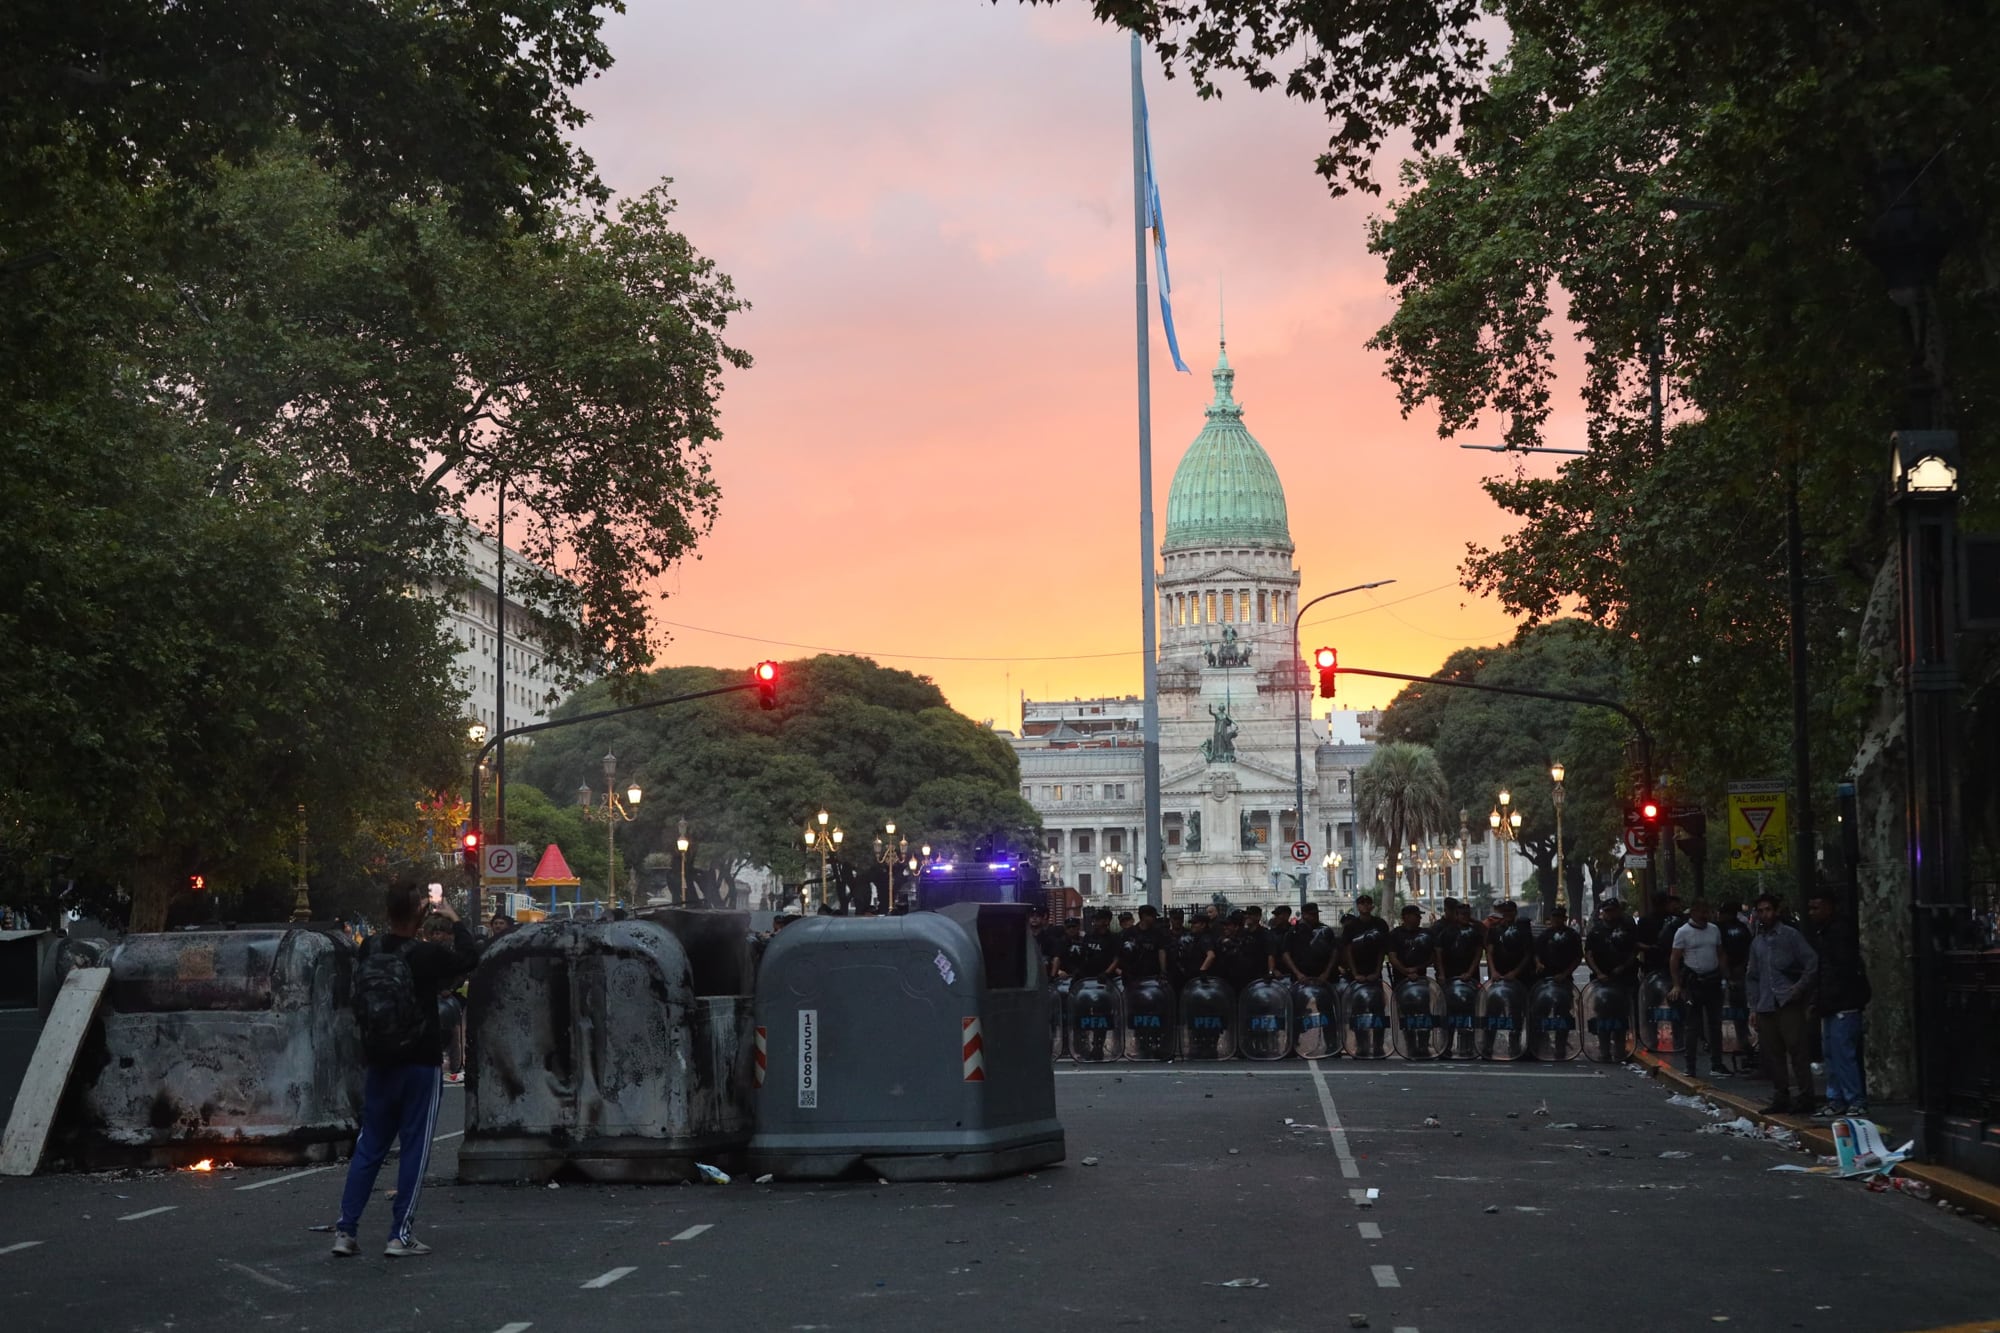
(1328, 662)
(469, 844)
(197, 883)
(767, 685)
(1649, 814)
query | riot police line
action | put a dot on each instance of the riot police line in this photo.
(1448, 990)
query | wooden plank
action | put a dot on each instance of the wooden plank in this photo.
(55, 1054)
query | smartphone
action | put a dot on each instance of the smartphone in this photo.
(437, 893)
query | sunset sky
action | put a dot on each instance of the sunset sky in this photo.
(933, 461)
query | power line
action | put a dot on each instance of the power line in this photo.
(1051, 657)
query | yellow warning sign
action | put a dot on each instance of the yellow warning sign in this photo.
(1759, 830)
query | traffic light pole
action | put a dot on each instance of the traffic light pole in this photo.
(476, 899)
(1298, 726)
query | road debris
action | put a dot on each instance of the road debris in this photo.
(1090, 1161)
(1675, 1156)
(714, 1175)
(1239, 1282)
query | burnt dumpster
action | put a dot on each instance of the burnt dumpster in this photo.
(211, 1043)
(592, 1050)
(908, 1048)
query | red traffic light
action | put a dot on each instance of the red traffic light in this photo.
(468, 843)
(197, 883)
(1649, 811)
(1328, 662)
(767, 684)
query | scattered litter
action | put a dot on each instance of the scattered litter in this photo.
(1675, 1156)
(1357, 1321)
(1793, 1168)
(324, 1226)
(1859, 1150)
(764, 1179)
(1234, 1151)
(1430, 1122)
(554, 1186)
(1695, 1104)
(1567, 1124)
(1513, 1115)
(1743, 1127)
(1492, 1207)
(1718, 1319)
(1090, 1161)
(1542, 1110)
(1239, 1282)
(1290, 1121)
(714, 1175)
(1366, 1198)
(1916, 1189)
(883, 1180)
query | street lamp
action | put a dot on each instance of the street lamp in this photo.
(614, 810)
(825, 842)
(1114, 870)
(1506, 827)
(890, 851)
(1562, 878)
(681, 846)
(1331, 863)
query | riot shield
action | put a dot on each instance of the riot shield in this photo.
(1418, 1011)
(1460, 1037)
(1058, 1018)
(1264, 1019)
(1503, 1020)
(1552, 1020)
(1149, 1020)
(1315, 1020)
(1659, 1017)
(1607, 1010)
(1739, 1039)
(1366, 1020)
(1208, 1019)
(1096, 1017)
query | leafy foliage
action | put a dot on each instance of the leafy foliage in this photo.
(1402, 797)
(868, 744)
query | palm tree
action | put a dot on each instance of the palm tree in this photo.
(1402, 796)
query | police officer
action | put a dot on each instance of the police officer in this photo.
(1735, 940)
(1281, 934)
(1510, 949)
(1656, 941)
(1313, 948)
(1060, 954)
(1142, 950)
(1559, 951)
(1235, 958)
(1411, 950)
(1191, 951)
(1461, 943)
(1365, 941)
(1263, 946)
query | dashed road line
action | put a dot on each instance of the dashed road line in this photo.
(1370, 1230)
(150, 1212)
(695, 1230)
(513, 1328)
(19, 1245)
(606, 1279)
(290, 1175)
(1333, 1129)
(265, 1278)
(1385, 1275)
(456, 1133)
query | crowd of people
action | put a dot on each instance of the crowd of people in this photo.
(1788, 972)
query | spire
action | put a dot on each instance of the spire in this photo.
(1225, 404)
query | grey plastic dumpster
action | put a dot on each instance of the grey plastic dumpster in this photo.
(909, 1048)
(588, 1048)
(219, 1043)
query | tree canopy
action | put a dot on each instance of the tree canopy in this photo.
(868, 744)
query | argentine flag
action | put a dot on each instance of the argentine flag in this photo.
(1158, 224)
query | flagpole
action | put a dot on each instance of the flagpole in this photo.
(1148, 609)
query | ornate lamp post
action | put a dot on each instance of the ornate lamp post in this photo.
(681, 846)
(1114, 875)
(1506, 823)
(890, 851)
(614, 810)
(825, 842)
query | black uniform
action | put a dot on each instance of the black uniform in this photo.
(1139, 953)
(1189, 951)
(1091, 956)
(1616, 951)
(1367, 940)
(1051, 941)
(1412, 946)
(1237, 960)
(1312, 948)
(1262, 945)
(1656, 941)
(1735, 944)
(1558, 951)
(1513, 944)
(1458, 948)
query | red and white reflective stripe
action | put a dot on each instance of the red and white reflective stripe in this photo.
(763, 1057)
(974, 1052)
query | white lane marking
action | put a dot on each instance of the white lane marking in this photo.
(1333, 1129)
(695, 1230)
(513, 1328)
(264, 1278)
(1370, 1230)
(440, 1138)
(606, 1279)
(150, 1212)
(19, 1245)
(1385, 1275)
(279, 1180)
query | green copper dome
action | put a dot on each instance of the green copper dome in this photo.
(1226, 491)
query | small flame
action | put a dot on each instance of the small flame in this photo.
(205, 1164)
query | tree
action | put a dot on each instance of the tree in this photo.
(1401, 797)
(866, 743)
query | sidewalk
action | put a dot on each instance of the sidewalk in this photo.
(1968, 1192)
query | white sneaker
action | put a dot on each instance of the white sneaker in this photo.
(405, 1249)
(344, 1246)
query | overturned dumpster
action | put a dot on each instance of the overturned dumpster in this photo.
(219, 1043)
(909, 1048)
(591, 1048)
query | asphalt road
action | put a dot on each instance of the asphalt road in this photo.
(1498, 1218)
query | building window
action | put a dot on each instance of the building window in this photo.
(1059, 794)
(1173, 835)
(1262, 610)
(1055, 842)
(1117, 791)
(1342, 786)
(1114, 840)
(1083, 882)
(1347, 837)
(1027, 793)
(1228, 607)
(1211, 609)
(1083, 842)
(1115, 882)
(1261, 832)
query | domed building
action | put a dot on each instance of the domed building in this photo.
(1228, 687)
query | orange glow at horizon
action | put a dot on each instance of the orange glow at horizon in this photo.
(933, 461)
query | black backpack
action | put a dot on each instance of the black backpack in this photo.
(386, 1006)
